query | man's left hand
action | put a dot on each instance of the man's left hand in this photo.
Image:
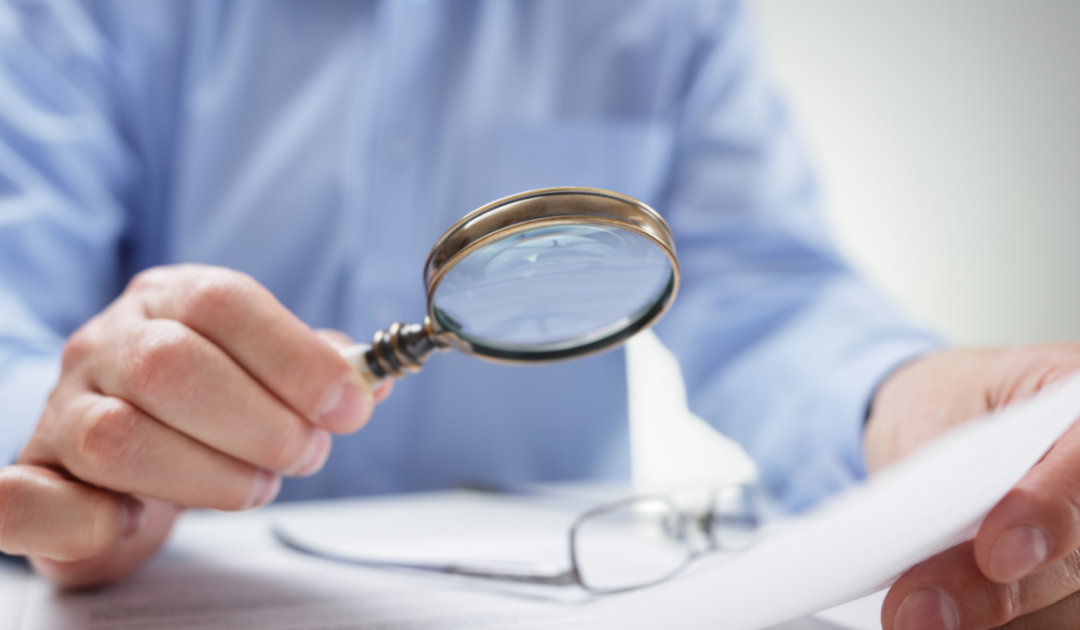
(1022, 570)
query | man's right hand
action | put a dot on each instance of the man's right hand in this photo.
(195, 388)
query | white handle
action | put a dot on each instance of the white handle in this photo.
(355, 355)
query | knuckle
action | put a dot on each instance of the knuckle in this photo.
(216, 291)
(1062, 614)
(1006, 600)
(98, 534)
(162, 276)
(80, 346)
(234, 492)
(1070, 567)
(11, 502)
(1053, 503)
(285, 449)
(159, 360)
(1071, 516)
(240, 498)
(106, 438)
(146, 279)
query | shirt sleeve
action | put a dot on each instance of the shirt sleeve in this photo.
(64, 173)
(782, 344)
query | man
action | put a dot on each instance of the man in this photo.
(320, 148)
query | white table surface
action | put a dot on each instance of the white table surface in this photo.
(15, 580)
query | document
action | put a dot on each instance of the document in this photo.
(269, 588)
(14, 580)
(225, 570)
(866, 538)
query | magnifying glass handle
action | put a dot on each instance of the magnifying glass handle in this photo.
(357, 356)
(399, 350)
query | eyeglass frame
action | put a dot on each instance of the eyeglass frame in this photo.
(703, 521)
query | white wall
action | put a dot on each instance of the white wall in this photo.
(948, 136)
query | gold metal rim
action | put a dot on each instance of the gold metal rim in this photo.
(530, 210)
(504, 215)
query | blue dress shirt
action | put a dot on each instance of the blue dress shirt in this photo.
(322, 146)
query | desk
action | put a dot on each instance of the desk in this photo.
(229, 564)
(14, 581)
(237, 552)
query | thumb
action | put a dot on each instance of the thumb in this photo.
(76, 534)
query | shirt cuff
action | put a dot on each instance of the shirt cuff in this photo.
(845, 398)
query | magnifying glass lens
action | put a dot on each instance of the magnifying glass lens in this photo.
(552, 288)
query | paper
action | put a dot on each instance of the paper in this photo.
(270, 592)
(14, 580)
(224, 571)
(868, 537)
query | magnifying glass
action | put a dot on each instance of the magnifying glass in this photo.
(540, 276)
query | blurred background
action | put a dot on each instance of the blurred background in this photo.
(947, 139)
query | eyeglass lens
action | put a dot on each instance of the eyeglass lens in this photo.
(632, 544)
(639, 542)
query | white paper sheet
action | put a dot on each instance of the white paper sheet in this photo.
(13, 585)
(224, 571)
(869, 536)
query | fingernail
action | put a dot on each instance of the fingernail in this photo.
(317, 453)
(926, 609)
(134, 517)
(267, 485)
(345, 408)
(1017, 552)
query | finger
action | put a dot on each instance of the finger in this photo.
(949, 591)
(340, 340)
(251, 326)
(1060, 616)
(109, 442)
(44, 514)
(335, 338)
(119, 560)
(1038, 522)
(190, 384)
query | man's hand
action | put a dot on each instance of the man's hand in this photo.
(1022, 570)
(195, 388)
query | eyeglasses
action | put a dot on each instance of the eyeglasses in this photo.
(616, 547)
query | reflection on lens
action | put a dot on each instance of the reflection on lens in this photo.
(553, 287)
(631, 545)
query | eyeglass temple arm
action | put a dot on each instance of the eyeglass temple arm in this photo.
(565, 578)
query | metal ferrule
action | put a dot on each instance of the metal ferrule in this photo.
(402, 349)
